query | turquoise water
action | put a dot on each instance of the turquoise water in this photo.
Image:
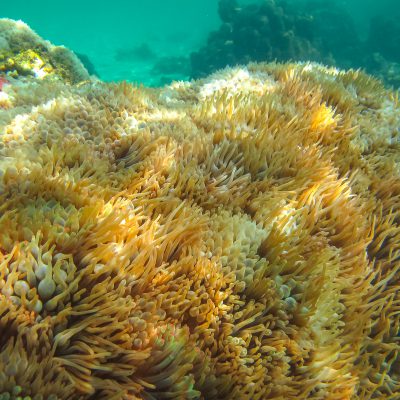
(154, 42)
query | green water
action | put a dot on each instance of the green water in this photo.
(154, 42)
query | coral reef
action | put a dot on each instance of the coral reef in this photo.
(235, 237)
(278, 30)
(24, 53)
(303, 30)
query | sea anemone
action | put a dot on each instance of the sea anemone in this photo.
(230, 238)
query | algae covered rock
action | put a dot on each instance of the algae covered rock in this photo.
(24, 53)
(235, 237)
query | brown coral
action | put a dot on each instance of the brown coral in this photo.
(231, 238)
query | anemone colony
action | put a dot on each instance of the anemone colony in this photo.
(235, 237)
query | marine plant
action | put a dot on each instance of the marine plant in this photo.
(235, 237)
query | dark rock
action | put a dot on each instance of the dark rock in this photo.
(85, 60)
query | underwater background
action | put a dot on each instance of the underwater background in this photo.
(155, 42)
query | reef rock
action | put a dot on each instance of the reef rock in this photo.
(279, 30)
(235, 237)
(23, 52)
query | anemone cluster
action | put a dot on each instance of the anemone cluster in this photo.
(235, 237)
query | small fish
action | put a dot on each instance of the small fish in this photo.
(3, 81)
